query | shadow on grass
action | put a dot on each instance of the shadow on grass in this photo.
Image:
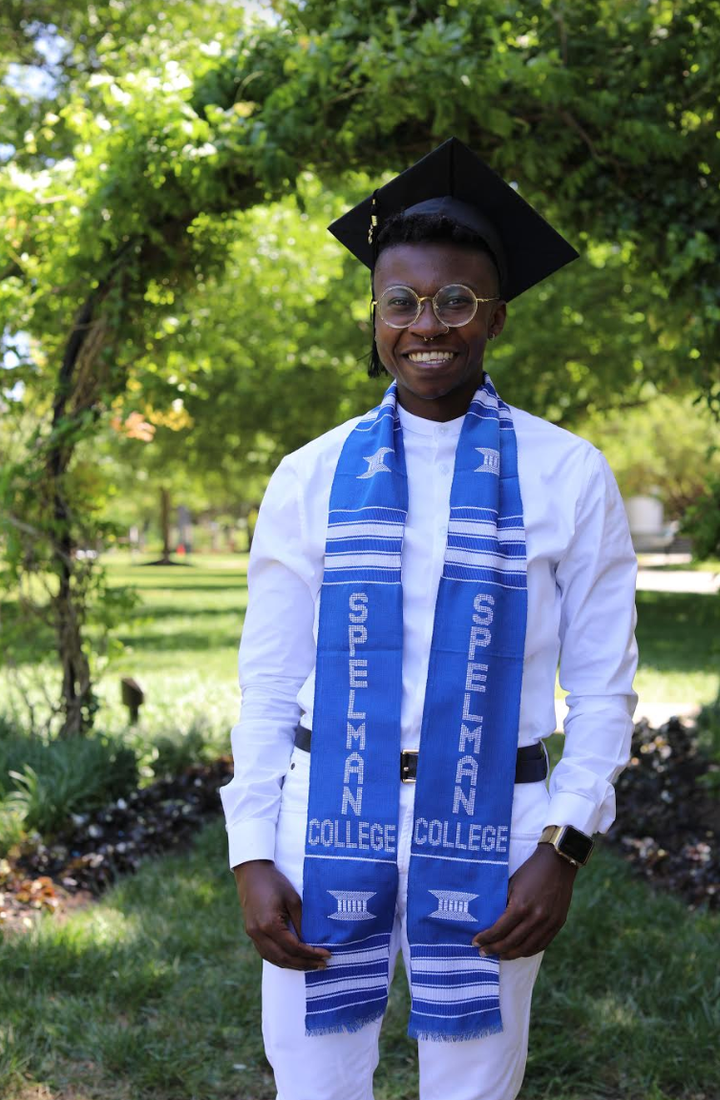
(626, 1004)
(192, 580)
(158, 988)
(183, 640)
(160, 612)
(40, 645)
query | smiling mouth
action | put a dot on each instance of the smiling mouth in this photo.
(429, 357)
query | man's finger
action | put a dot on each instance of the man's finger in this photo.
(294, 908)
(288, 942)
(289, 959)
(271, 954)
(293, 905)
(536, 940)
(502, 926)
(519, 934)
(532, 946)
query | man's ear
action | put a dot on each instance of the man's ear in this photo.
(498, 319)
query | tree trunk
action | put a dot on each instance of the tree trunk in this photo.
(76, 394)
(78, 698)
(165, 523)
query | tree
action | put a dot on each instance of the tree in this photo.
(121, 201)
(667, 447)
(702, 524)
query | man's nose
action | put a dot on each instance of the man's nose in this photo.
(427, 323)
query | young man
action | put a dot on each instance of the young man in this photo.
(415, 575)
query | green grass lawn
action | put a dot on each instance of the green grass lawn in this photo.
(198, 612)
(181, 645)
(153, 994)
(678, 638)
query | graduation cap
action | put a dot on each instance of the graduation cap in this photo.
(454, 182)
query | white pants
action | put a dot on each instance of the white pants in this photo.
(341, 1066)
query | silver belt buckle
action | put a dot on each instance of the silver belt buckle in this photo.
(404, 776)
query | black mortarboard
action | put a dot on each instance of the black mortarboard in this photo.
(453, 181)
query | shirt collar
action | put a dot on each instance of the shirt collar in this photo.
(420, 426)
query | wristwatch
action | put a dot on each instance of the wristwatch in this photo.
(569, 843)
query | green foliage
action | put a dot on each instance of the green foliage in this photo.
(46, 782)
(667, 447)
(264, 359)
(708, 730)
(702, 522)
(573, 105)
(163, 124)
(172, 754)
(12, 826)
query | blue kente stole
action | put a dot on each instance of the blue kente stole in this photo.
(468, 742)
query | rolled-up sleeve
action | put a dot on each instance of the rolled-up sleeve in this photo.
(276, 655)
(598, 657)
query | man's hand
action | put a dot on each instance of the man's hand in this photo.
(539, 895)
(273, 912)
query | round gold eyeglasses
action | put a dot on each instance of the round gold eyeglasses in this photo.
(453, 305)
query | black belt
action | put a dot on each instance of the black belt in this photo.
(531, 764)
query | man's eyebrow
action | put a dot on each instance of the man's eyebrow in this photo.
(453, 282)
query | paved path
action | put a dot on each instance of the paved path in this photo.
(681, 580)
(656, 713)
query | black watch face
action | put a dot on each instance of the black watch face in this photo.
(575, 844)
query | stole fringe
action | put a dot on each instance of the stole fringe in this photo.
(422, 1034)
(349, 1027)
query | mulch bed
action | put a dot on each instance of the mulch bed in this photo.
(94, 850)
(668, 822)
(668, 827)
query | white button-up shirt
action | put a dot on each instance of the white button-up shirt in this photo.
(581, 586)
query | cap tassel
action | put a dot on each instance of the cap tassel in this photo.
(373, 218)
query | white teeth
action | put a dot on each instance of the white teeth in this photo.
(430, 356)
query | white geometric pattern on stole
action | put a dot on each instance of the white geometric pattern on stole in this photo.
(376, 464)
(453, 906)
(490, 462)
(352, 904)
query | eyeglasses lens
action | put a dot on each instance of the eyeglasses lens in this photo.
(400, 306)
(455, 305)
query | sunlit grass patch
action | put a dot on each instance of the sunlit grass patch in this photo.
(153, 994)
(154, 985)
(678, 638)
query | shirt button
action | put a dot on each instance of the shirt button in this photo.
(444, 469)
(442, 530)
(443, 430)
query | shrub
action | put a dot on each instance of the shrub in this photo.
(174, 753)
(708, 730)
(46, 782)
(7, 727)
(12, 829)
(702, 522)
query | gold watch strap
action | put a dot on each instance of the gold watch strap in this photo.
(552, 834)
